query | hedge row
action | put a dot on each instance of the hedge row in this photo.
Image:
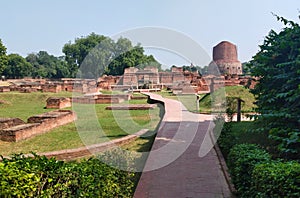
(254, 174)
(277, 179)
(42, 177)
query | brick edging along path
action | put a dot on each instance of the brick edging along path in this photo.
(194, 172)
(71, 154)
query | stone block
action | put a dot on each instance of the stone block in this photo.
(58, 103)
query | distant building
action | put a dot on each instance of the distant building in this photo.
(226, 58)
(151, 75)
(135, 77)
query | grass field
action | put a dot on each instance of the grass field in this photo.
(205, 104)
(113, 124)
(24, 105)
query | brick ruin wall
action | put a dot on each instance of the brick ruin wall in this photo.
(58, 103)
(102, 99)
(37, 125)
(10, 122)
(54, 86)
(83, 100)
(4, 89)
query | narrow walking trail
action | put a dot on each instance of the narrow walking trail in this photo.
(182, 162)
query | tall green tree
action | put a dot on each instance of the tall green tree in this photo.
(75, 53)
(48, 66)
(17, 67)
(277, 64)
(134, 57)
(96, 55)
(3, 57)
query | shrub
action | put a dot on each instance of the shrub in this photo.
(16, 182)
(242, 159)
(276, 179)
(42, 177)
(231, 107)
(226, 140)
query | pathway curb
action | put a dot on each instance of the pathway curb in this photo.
(76, 153)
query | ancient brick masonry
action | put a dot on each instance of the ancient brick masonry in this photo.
(135, 77)
(58, 103)
(4, 89)
(16, 130)
(225, 57)
(10, 122)
(101, 98)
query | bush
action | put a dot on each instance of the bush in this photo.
(242, 159)
(226, 140)
(276, 179)
(42, 177)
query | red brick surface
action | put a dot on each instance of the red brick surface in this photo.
(189, 175)
(37, 125)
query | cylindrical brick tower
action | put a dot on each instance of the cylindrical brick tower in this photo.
(225, 57)
(225, 51)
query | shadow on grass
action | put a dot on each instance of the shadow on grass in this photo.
(116, 136)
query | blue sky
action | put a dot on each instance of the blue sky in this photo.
(34, 25)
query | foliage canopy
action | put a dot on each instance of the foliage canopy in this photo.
(277, 64)
(96, 55)
(3, 57)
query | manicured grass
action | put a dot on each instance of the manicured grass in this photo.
(113, 124)
(244, 94)
(24, 105)
(60, 138)
(205, 105)
(188, 100)
(111, 92)
(109, 124)
(231, 91)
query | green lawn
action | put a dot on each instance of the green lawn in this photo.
(113, 124)
(230, 91)
(189, 100)
(205, 104)
(24, 105)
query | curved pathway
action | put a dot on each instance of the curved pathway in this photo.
(183, 161)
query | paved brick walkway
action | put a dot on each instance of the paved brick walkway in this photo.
(181, 135)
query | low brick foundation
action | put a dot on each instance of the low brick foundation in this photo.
(4, 89)
(10, 122)
(101, 99)
(37, 125)
(84, 100)
(132, 107)
(121, 96)
(139, 98)
(72, 154)
(19, 132)
(58, 103)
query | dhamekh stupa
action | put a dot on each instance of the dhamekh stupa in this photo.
(226, 58)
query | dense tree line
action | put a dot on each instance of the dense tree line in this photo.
(3, 57)
(96, 55)
(87, 57)
(277, 64)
